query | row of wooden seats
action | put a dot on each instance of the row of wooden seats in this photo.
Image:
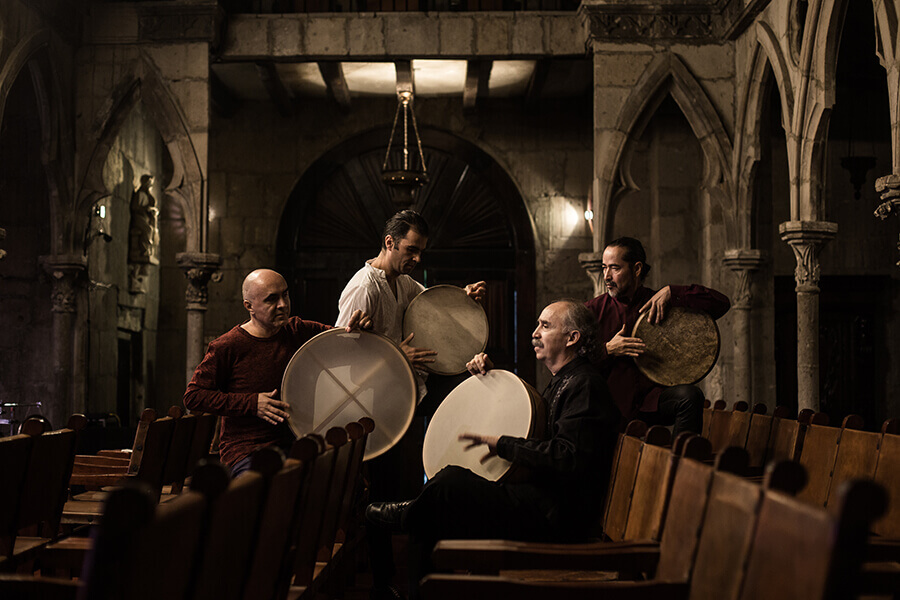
(689, 529)
(259, 536)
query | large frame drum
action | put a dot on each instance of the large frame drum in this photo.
(445, 319)
(681, 350)
(338, 377)
(498, 403)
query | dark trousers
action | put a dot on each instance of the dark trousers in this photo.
(680, 406)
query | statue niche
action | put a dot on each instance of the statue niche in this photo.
(143, 236)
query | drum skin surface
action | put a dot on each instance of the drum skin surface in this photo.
(498, 403)
(338, 377)
(681, 350)
(445, 319)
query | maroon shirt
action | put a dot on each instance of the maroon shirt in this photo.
(236, 368)
(631, 390)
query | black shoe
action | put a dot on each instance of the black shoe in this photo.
(388, 515)
(387, 592)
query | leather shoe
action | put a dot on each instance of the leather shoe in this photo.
(388, 515)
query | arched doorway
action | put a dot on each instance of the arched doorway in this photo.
(479, 229)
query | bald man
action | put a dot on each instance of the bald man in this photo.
(239, 377)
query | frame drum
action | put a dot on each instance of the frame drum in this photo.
(337, 377)
(445, 319)
(498, 403)
(681, 350)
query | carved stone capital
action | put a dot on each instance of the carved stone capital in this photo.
(64, 271)
(592, 262)
(743, 261)
(888, 187)
(182, 22)
(807, 238)
(679, 20)
(199, 268)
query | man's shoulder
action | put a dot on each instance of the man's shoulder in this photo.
(367, 276)
(298, 326)
(231, 336)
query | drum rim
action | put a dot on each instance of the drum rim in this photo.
(534, 398)
(412, 378)
(712, 364)
(487, 326)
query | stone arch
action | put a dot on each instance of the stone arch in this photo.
(186, 187)
(667, 74)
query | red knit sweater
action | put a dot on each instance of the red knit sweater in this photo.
(236, 368)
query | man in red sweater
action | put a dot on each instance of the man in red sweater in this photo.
(239, 377)
(624, 270)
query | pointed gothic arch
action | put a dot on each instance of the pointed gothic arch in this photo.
(667, 74)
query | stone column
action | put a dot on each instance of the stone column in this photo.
(199, 268)
(807, 238)
(592, 262)
(64, 271)
(743, 261)
(889, 188)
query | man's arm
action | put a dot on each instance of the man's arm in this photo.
(713, 303)
(204, 391)
(353, 299)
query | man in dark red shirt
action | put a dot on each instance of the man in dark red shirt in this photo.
(624, 270)
(239, 377)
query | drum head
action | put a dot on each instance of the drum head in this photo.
(339, 377)
(498, 403)
(445, 319)
(681, 350)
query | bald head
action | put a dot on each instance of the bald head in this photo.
(265, 294)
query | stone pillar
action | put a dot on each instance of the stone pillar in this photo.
(64, 272)
(889, 188)
(592, 262)
(807, 238)
(199, 268)
(743, 261)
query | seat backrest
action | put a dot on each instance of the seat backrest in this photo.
(133, 555)
(148, 416)
(359, 435)
(286, 489)
(233, 524)
(651, 486)
(634, 429)
(785, 438)
(46, 482)
(887, 474)
(758, 436)
(687, 505)
(817, 455)
(623, 484)
(339, 438)
(179, 447)
(802, 551)
(720, 429)
(856, 458)
(202, 440)
(155, 451)
(14, 451)
(312, 513)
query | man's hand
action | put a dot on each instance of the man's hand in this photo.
(358, 320)
(480, 364)
(417, 356)
(625, 346)
(270, 409)
(476, 291)
(658, 305)
(476, 440)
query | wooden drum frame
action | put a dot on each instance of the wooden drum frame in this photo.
(337, 377)
(446, 320)
(498, 403)
(681, 350)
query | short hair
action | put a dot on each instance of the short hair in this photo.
(578, 318)
(634, 252)
(399, 225)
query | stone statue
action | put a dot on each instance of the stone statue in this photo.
(143, 234)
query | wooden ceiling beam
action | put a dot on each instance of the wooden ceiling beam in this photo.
(224, 103)
(271, 80)
(405, 80)
(333, 74)
(478, 76)
(537, 83)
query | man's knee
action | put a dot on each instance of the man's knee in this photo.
(688, 396)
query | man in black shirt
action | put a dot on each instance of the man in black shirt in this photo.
(569, 469)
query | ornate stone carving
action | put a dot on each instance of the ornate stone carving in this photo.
(64, 271)
(182, 22)
(200, 268)
(592, 262)
(626, 25)
(806, 239)
(743, 261)
(889, 189)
